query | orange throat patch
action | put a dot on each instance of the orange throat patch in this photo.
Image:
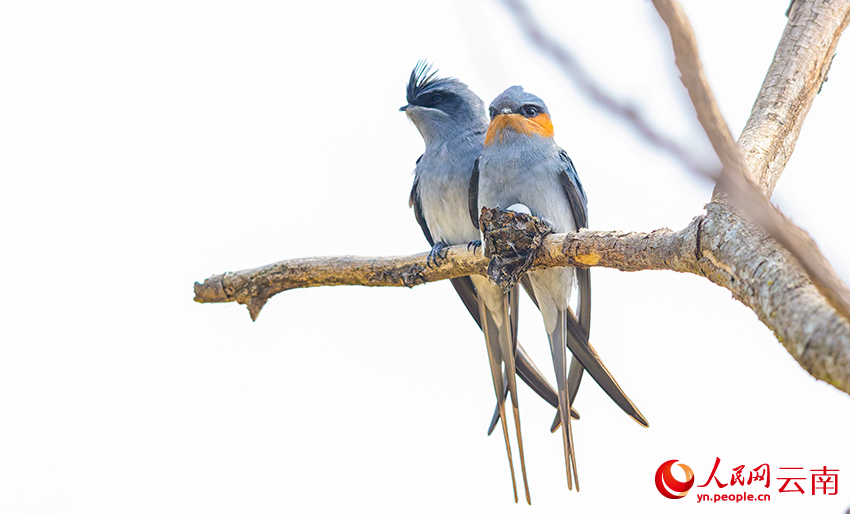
(540, 125)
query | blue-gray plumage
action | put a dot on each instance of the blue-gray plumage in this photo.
(522, 164)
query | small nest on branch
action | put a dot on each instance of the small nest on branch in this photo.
(512, 241)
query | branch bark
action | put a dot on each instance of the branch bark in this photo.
(635, 251)
(719, 245)
(795, 77)
(736, 179)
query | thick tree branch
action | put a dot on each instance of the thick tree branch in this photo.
(760, 273)
(796, 75)
(735, 180)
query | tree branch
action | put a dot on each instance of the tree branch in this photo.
(720, 245)
(735, 179)
(661, 249)
(760, 273)
(796, 75)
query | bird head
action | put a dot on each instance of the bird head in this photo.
(440, 107)
(515, 112)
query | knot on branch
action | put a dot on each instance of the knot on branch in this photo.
(512, 241)
(408, 276)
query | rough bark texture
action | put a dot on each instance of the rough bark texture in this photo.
(628, 252)
(810, 329)
(736, 179)
(796, 75)
(253, 287)
(720, 244)
(761, 274)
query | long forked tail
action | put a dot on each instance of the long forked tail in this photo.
(494, 354)
(557, 342)
(507, 340)
(547, 393)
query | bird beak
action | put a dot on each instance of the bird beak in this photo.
(506, 110)
(404, 107)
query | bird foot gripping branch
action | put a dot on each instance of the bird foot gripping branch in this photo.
(512, 241)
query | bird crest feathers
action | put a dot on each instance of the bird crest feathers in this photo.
(420, 78)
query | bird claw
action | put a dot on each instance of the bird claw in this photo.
(474, 245)
(438, 251)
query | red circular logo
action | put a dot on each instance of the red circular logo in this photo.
(670, 487)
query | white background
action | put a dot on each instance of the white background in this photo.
(145, 147)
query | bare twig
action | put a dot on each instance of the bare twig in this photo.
(693, 77)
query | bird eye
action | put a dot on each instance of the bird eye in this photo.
(531, 112)
(436, 98)
(492, 112)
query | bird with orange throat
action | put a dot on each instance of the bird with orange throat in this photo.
(522, 168)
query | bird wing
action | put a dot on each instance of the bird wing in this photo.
(473, 194)
(417, 208)
(577, 199)
(579, 329)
